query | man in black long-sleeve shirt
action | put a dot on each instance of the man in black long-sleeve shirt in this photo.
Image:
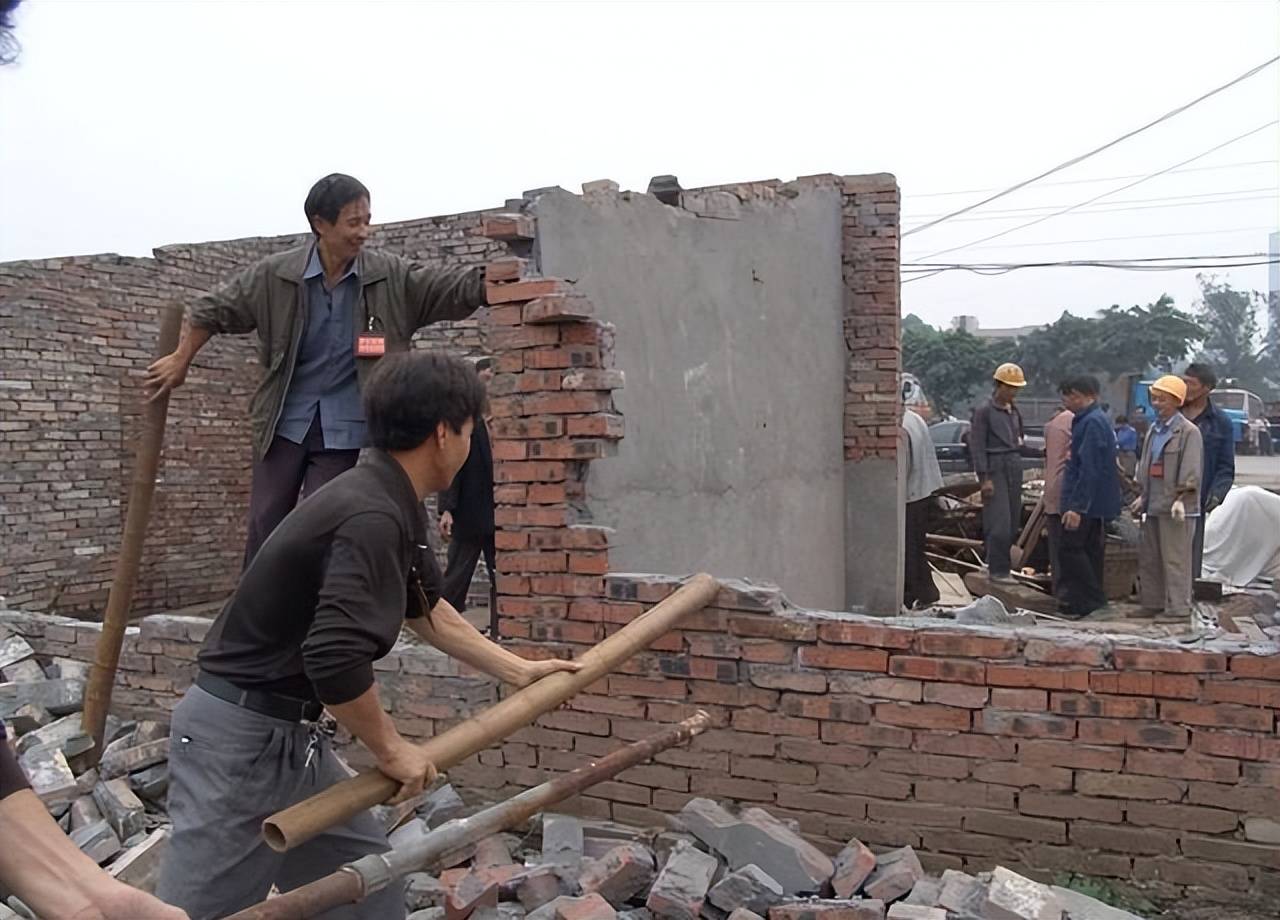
(324, 598)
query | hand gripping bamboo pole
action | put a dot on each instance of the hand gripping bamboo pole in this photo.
(106, 657)
(356, 881)
(299, 823)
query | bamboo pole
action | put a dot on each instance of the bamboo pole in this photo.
(106, 657)
(299, 823)
(356, 881)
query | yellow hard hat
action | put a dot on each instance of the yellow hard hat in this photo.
(1173, 386)
(1010, 374)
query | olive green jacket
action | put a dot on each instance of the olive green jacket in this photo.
(267, 297)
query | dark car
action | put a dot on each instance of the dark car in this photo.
(951, 445)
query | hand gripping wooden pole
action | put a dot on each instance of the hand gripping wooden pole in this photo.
(102, 675)
(299, 823)
(356, 881)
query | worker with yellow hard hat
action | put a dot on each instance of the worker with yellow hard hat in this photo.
(1169, 472)
(995, 443)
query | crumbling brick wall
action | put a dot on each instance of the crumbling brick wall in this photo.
(77, 333)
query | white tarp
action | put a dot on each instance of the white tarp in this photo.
(1242, 538)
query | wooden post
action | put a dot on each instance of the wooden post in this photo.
(97, 697)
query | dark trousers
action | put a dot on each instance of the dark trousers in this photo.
(1197, 547)
(1002, 512)
(464, 553)
(1081, 555)
(917, 578)
(287, 470)
(1053, 524)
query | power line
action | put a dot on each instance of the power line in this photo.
(1084, 156)
(996, 215)
(1138, 236)
(1156, 264)
(1082, 211)
(978, 191)
(1099, 197)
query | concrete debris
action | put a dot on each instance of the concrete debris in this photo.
(123, 757)
(423, 890)
(961, 893)
(1082, 907)
(749, 887)
(23, 672)
(120, 807)
(904, 911)
(50, 777)
(51, 735)
(97, 841)
(857, 909)
(636, 913)
(430, 913)
(60, 697)
(925, 893)
(471, 893)
(15, 649)
(589, 907)
(140, 864)
(491, 851)
(681, 886)
(743, 914)
(539, 886)
(853, 864)
(562, 842)
(895, 874)
(69, 669)
(84, 811)
(152, 783)
(444, 804)
(757, 838)
(623, 872)
(28, 718)
(1013, 897)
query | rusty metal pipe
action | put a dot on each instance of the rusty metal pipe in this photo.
(356, 881)
(299, 823)
(106, 657)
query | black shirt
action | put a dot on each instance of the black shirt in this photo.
(328, 591)
(470, 498)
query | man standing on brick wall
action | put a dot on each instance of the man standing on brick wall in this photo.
(924, 477)
(1057, 451)
(995, 442)
(324, 313)
(466, 517)
(1219, 437)
(1090, 498)
(325, 598)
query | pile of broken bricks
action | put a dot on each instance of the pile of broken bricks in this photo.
(114, 811)
(717, 865)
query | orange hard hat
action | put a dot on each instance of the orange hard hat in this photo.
(1010, 374)
(1172, 386)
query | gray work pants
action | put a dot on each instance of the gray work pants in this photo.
(1164, 565)
(1002, 512)
(229, 769)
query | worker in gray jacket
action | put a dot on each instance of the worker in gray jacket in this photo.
(324, 312)
(995, 443)
(1169, 473)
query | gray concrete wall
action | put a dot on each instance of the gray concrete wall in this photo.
(729, 331)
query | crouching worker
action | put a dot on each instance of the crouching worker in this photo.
(322, 600)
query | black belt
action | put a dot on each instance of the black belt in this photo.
(260, 701)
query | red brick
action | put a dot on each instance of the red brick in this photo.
(1044, 753)
(1246, 693)
(1132, 733)
(827, 706)
(712, 645)
(599, 425)
(868, 783)
(923, 715)
(768, 651)
(1075, 860)
(564, 631)
(1040, 830)
(1131, 840)
(558, 308)
(1259, 667)
(510, 540)
(1232, 851)
(822, 802)
(507, 268)
(546, 493)
(786, 678)
(567, 585)
(512, 338)
(533, 562)
(648, 687)
(963, 695)
(509, 227)
(968, 794)
(731, 787)
(1146, 683)
(915, 814)
(1110, 707)
(1066, 805)
(917, 764)
(524, 290)
(1248, 800)
(1188, 662)
(779, 771)
(875, 736)
(846, 659)
(1045, 651)
(1181, 817)
(942, 669)
(770, 723)
(1220, 715)
(565, 356)
(1233, 744)
(866, 634)
(530, 471)
(993, 849)
(1182, 765)
(986, 747)
(1192, 872)
(767, 627)
(623, 792)
(874, 686)
(1016, 774)
(539, 608)
(1260, 774)
(966, 645)
(733, 695)
(1020, 700)
(1122, 786)
(610, 705)
(511, 493)
(1012, 675)
(816, 752)
(1023, 725)
(657, 776)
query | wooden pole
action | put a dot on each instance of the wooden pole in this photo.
(102, 675)
(299, 823)
(355, 881)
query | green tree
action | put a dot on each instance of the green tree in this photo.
(952, 366)
(1233, 336)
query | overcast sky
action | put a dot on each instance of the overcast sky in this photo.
(128, 125)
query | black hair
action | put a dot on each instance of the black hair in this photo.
(409, 394)
(484, 363)
(1084, 384)
(1122, 419)
(9, 46)
(1204, 373)
(330, 195)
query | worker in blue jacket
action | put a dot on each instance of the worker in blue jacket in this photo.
(1090, 498)
(1219, 437)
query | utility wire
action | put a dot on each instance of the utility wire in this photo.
(1161, 264)
(1107, 194)
(1084, 156)
(979, 191)
(1002, 212)
(1082, 211)
(1136, 236)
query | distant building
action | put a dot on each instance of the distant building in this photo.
(970, 325)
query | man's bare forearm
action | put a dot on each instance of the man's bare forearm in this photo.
(365, 718)
(448, 631)
(48, 872)
(193, 339)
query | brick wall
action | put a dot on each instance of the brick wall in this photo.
(76, 333)
(1039, 749)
